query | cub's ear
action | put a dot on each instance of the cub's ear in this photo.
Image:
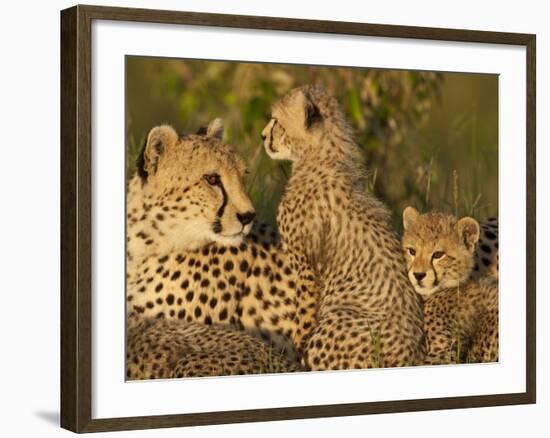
(215, 128)
(468, 230)
(312, 114)
(158, 140)
(410, 215)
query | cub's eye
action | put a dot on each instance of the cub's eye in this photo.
(438, 254)
(213, 179)
(412, 251)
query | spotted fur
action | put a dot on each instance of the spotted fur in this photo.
(357, 308)
(200, 263)
(461, 323)
(246, 286)
(443, 252)
(168, 348)
(486, 257)
(461, 304)
(173, 205)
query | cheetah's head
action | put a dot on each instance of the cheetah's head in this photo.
(438, 248)
(191, 191)
(298, 121)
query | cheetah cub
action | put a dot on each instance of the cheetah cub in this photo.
(357, 308)
(437, 258)
(460, 304)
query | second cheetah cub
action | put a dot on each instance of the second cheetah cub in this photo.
(460, 309)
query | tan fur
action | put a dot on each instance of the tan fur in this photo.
(486, 258)
(248, 286)
(433, 234)
(463, 253)
(189, 271)
(461, 323)
(173, 207)
(163, 349)
(461, 306)
(357, 308)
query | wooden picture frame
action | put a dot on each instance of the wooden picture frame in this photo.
(76, 217)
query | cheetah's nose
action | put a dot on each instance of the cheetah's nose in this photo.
(246, 218)
(419, 275)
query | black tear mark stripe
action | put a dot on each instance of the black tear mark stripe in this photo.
(436, 279)
(224, 203)
(270, 146)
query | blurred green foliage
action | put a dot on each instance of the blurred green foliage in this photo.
(430, 139)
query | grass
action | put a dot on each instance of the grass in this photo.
(376, 355)
(427, 137)
(415, 128)
(272, 366)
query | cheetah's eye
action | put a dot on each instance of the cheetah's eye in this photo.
(213, 179)
(412, 251)
(438, 254)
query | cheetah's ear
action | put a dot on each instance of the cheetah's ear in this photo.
(158, 140)
(410, 215)
(215, 128)
(312, 114)
(468, 230)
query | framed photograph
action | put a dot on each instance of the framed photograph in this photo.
(268, 218)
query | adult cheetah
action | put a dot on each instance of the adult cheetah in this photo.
(353, 286)
(461, 304)
(190, 253)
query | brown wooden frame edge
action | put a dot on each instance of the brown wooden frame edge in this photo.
(76, 342)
